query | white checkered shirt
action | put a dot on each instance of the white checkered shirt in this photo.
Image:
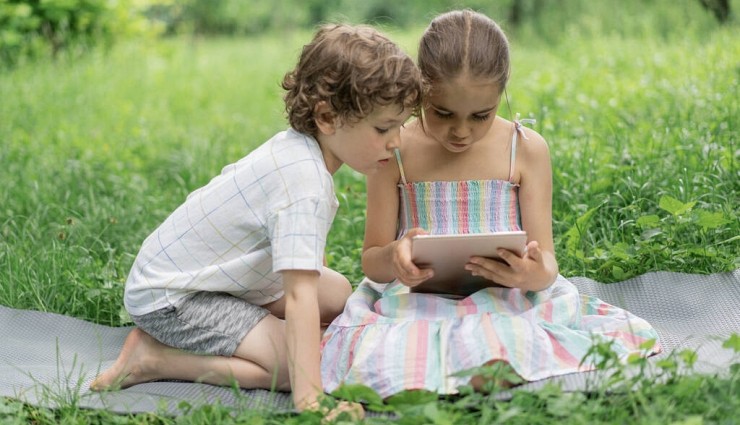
(268, 212)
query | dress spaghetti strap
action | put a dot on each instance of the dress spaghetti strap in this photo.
(518, 130)
(400, 164)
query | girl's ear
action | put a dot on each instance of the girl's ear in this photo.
(326, 120)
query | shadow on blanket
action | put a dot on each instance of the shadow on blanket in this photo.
(49, 360)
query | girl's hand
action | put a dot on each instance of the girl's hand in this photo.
(403, 268)
(528, 272)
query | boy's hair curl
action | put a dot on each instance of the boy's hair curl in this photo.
(353, 69)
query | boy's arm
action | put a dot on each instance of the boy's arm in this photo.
(303, 335)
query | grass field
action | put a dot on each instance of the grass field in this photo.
(95, 151)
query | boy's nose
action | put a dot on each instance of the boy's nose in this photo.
(394, 142)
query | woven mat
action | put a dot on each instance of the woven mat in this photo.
(49, 360)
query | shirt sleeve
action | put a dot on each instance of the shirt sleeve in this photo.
(298, 234)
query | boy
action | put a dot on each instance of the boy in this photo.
(210, 287)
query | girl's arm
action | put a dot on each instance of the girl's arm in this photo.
(383, 257)
(538, 268)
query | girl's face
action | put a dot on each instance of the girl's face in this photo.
(459, 112)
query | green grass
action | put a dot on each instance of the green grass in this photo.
(95, 151)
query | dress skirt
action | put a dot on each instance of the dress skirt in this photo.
(393, 340)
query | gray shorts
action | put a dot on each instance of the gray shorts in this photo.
(203, 323)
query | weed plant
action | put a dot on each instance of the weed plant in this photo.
(96, 151)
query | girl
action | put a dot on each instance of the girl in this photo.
(463, 169)
(232, 286)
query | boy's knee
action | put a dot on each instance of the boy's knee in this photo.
(333, 295)
(344, 288)
(341, 290)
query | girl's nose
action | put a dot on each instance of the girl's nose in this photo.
(460, 129)
(460, 132)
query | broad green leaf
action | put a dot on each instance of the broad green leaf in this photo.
(418, 397)
(618, 273)
(674, 206)
(573, 235)
(358, 393)
(733, 342)
(647, 344)
(689, 357)
(634, 358)
(711, 220)
(648, 221)
(620, 250)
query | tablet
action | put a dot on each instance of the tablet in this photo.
(448, 254)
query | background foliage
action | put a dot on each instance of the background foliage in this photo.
(98, 147)
(33, 28)
(116, 111)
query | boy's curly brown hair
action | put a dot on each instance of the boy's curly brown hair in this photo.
(353, 69)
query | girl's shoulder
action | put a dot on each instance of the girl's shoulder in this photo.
(529, 141)
(532, 143)
(532, 157)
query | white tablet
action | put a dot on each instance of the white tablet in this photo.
(448, 254)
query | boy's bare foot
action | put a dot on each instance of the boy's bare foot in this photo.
(135, 364)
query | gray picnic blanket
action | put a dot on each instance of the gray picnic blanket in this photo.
(49, 360)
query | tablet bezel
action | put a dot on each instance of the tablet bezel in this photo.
(447, 255)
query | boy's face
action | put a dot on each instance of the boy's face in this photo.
(460, 112)
(366, 145)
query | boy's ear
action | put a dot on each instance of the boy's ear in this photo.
(326, 119)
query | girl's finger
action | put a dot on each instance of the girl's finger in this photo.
(509, 257)
(534, 252)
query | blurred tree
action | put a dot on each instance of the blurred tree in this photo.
(320, 10)
(719, 8)
(520, 9)
(30, 28)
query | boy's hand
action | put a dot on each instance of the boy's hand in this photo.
(528, 272)
(405, 269)
(355, 410)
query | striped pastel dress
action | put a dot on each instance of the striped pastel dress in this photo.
(393, 340)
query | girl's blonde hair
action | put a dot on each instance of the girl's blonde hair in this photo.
(353, 69)
(464, 41)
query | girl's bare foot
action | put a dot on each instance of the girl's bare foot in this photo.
(135, 364)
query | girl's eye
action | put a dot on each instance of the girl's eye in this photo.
(481, 117)
(381, 130)
(443, 115)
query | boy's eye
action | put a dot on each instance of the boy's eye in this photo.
(381, 130)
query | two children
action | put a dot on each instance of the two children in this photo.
(232, 285)
(211, 286)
